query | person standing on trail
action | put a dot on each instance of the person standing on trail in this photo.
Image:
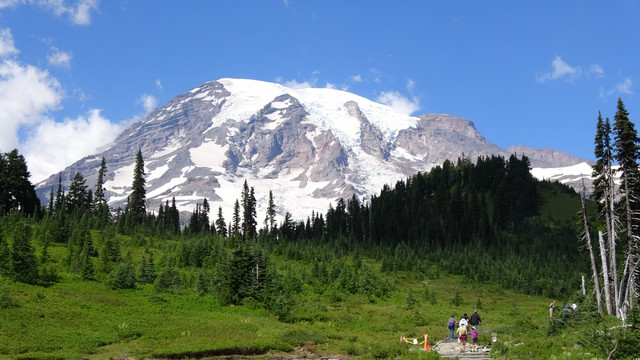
(551, 308)
(475, 320)
(452, 325)
(464, 320)
(462, 336)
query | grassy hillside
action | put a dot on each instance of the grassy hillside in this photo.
(74, 319)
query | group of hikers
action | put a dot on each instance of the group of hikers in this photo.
(466, 327)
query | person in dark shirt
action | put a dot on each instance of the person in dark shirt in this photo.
(475, 320)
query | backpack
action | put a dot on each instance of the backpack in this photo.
(463, 337)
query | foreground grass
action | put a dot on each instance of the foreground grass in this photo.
(75, 319)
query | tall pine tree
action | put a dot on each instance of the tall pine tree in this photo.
(627, 153)
(136, 206)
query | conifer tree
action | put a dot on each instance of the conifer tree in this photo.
(248, 212)
(77, 197)
(59, 202)
(235, 224)
(136, 207)
(5, 256)
(270, 219)
(627, 153)
(23, 255)
(123, 276)
(221, 226)
(16, 191)
(603, 194)
(174, 217)
(87, 271)
(99, 206)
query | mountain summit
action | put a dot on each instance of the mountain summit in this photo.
(308, 146)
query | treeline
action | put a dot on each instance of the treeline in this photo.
(477, 220)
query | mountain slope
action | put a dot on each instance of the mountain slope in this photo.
(308, 146)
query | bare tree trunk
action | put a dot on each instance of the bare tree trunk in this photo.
(594, 267)
(612, 236)
(607, 287)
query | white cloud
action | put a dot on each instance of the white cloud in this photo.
(26, 95)
(51, 146)
(398, 102)
(59, 58)
(8, 3)
(158, 84)
(624, 87)
(595, 72)
(7, 47)
(411, 85)
(329, 85)
(79, 15)
(561, 70)
(294, 84)
(148, 102)
(356, 78)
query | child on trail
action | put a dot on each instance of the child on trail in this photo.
(452, 325)
(462, 337)
(474, 339)
(551, 308)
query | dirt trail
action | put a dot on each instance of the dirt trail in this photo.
(449, 349)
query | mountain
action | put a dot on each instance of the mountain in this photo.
(308, 146)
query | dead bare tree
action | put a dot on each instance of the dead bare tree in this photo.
(587, 239)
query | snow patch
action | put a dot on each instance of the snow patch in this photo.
(210, 155)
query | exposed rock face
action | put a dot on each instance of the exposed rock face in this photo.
(308, 146)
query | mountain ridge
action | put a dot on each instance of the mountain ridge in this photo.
(309, 146)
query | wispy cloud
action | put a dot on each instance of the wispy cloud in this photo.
(411, 84)
(7, 48)
(399, 102)
(595, 72)
(148, 102)
(561, 70)
(59, 58)
(295, 84)
(356, 78)
(623, 87)
(80, 14)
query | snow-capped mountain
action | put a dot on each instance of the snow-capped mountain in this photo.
(308, 146)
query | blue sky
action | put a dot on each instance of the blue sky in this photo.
(536, 73)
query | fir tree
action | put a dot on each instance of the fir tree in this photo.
(270, 218)
(221, 226)
(59, 202)
(99, 206)
(627, 153)
(77, 197)
(248, 212)
(23, 256)
(136, 207)
(16, 191)
(123, 276)
(235, 224)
